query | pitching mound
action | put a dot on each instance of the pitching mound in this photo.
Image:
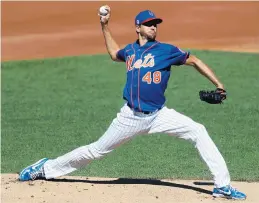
(72, 189)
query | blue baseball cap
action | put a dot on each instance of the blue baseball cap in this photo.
(146, 16)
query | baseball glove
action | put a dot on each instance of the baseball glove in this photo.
(213, 97)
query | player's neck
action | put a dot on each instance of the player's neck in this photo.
(142, 41)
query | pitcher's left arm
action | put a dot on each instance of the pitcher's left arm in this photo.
(204, 70)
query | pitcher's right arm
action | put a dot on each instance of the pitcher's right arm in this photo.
(111, 45)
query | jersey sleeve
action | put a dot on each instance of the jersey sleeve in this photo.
(121, 55)
(178, 56)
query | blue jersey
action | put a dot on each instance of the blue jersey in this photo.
(148, 72)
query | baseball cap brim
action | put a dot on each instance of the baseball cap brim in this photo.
(155, 20)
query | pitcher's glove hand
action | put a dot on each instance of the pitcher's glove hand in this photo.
(213, 97)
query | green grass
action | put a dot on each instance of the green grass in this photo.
(50, 107)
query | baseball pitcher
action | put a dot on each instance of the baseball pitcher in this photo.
(148, 67)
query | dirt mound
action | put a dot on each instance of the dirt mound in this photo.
(72, 189)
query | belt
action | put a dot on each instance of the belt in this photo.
(144, 112)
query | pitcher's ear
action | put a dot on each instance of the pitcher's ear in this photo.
(138, 28)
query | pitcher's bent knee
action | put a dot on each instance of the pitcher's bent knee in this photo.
(201, 128)
(197, 130)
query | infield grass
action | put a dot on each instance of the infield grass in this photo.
(50, 107)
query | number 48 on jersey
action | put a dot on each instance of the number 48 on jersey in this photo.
(149, 77)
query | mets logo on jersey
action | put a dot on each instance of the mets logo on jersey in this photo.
(148, 61)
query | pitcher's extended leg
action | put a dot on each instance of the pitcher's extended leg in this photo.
(173, 123)
(122, 129)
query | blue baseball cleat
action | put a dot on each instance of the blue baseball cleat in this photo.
(34, 171)
(229, 193)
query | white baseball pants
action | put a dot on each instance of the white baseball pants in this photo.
(127, 125)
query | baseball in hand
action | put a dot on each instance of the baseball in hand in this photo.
(103, 10)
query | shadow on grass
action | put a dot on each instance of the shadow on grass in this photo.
(129, 181)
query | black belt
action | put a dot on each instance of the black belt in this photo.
(144, 112)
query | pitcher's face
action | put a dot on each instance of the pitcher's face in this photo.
(148, 30)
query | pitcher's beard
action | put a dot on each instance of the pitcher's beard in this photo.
(151, 37)
(148, 37)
